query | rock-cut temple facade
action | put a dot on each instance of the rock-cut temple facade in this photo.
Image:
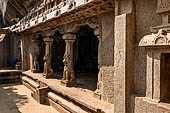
(91, 56)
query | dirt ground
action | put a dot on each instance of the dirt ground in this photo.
(16, 98)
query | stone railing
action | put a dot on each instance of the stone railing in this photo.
(48, 10)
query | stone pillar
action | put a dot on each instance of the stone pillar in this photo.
(25, 52)
(97, 93)
(48, 71)
(22, 55)
(68, 74)
(35, 53)
(123, 63)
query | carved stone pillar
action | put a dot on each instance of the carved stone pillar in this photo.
(48, 71)
(69, 74)
(35, 53)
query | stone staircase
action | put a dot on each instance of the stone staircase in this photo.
(63, 101)
(11, 76)
(63, 105)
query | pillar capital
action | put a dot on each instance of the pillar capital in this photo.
(69, 36)
(48, 39)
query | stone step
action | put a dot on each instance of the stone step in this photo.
(82, 99)
(29, 83)
(9, 76)
(66, 104)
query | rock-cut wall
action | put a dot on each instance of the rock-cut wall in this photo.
(9, 9)
(12, 8)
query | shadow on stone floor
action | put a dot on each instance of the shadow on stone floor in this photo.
(10, 99)
(85, 80)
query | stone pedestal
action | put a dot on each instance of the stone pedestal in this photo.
(40, 94)
(68, 74)
(35, 53)
(48, 71)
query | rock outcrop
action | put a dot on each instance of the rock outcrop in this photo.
(12, 8)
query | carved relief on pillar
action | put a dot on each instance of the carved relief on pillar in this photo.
(163, 6)
(48, 71)
(69, 73)
(35, 53)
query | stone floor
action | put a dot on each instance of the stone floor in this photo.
(80, 93)
(16, 98)
(85, 80)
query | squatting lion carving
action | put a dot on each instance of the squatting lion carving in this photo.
(47, 65)
(68, 74)
(48, 71)
(36, 67)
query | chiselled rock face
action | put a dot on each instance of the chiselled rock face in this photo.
(12, 8)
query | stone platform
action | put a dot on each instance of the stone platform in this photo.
(64, 99)
(77, 99)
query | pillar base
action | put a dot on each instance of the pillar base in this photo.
(68, 83)
(47, 76)
(35, 70)
(97, 95)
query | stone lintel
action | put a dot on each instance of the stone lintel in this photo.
(69, 36)
(160, 39)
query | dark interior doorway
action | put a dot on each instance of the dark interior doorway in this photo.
(58, 50)
(42, 52)
(165, 77)
(86, 58)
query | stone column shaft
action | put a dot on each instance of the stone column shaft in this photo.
(35, 53)
(69, 74)
(48, 71)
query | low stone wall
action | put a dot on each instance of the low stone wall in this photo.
(144, 105)
(10, 76)
(108, 83)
